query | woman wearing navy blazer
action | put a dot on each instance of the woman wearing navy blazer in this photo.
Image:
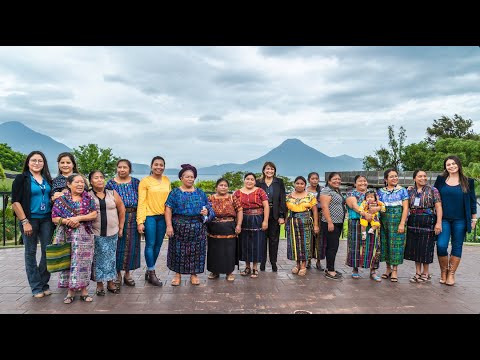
(275, 189)
(459, 215)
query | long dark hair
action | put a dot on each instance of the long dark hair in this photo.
(45, 171)
(463, 178)
(72, 159)
(415, 173)
(317, 188)
(153, 160)
(386, 173)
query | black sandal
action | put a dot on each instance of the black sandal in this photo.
(254, 274)
(416, 278)
(115, 290)
(68, 299)
(387, 275)
(246, 272)
(100, 292)
(86, 298)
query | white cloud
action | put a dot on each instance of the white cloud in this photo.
(212, 105)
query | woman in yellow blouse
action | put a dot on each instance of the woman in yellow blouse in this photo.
(153, 191)
(299, 225)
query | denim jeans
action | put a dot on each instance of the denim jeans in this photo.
(38, 276)
(457, 229)
(155, 229)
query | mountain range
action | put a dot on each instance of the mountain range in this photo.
(292, 157)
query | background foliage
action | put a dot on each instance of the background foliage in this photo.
(92, 157)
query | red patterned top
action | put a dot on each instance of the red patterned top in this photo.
(225, 207)
(253, 200)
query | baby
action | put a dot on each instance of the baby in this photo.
(370, 200)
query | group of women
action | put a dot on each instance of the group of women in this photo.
(414, 220)
(104, 224)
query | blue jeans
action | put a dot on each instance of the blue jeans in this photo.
(155, 229)
(457, 229)
(38, 276)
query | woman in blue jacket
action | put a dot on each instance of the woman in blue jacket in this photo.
(459, 215)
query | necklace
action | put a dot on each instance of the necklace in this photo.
(43, 188)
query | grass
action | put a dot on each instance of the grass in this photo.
(10, 242)
(6, 185)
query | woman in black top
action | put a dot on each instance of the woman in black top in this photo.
(275, 190)
(32, 206)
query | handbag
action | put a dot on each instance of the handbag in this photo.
(59, 254)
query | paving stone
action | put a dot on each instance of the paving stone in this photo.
(271, 293)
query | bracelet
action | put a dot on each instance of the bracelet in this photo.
(474, 220)
(60, 221)
(24, 221)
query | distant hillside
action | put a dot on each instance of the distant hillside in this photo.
(292, 157)
(21, 138)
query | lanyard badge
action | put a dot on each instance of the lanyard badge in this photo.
(43, 188)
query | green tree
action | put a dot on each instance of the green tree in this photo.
(391, 157)
(235, 179)
(91, 157)
(467, 150)
(2, 173)
(420, 155)
(380, 161)
(289, 185)
(10, 159)
(417, 156)
(473, 171)
(175, 184)
(206, 185)
(396, 146)
(445, 127)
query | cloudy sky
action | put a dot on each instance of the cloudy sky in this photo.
(214, 105)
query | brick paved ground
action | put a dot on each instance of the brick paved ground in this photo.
(271, 293)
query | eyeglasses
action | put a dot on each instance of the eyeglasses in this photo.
(35, 161)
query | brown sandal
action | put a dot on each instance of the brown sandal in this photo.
(246, 272)
(194, 280)
(176, 280)
(128, 281)
(254, 274)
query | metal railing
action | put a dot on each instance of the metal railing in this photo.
(9, 224)
(11, 221)
(375, 178)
